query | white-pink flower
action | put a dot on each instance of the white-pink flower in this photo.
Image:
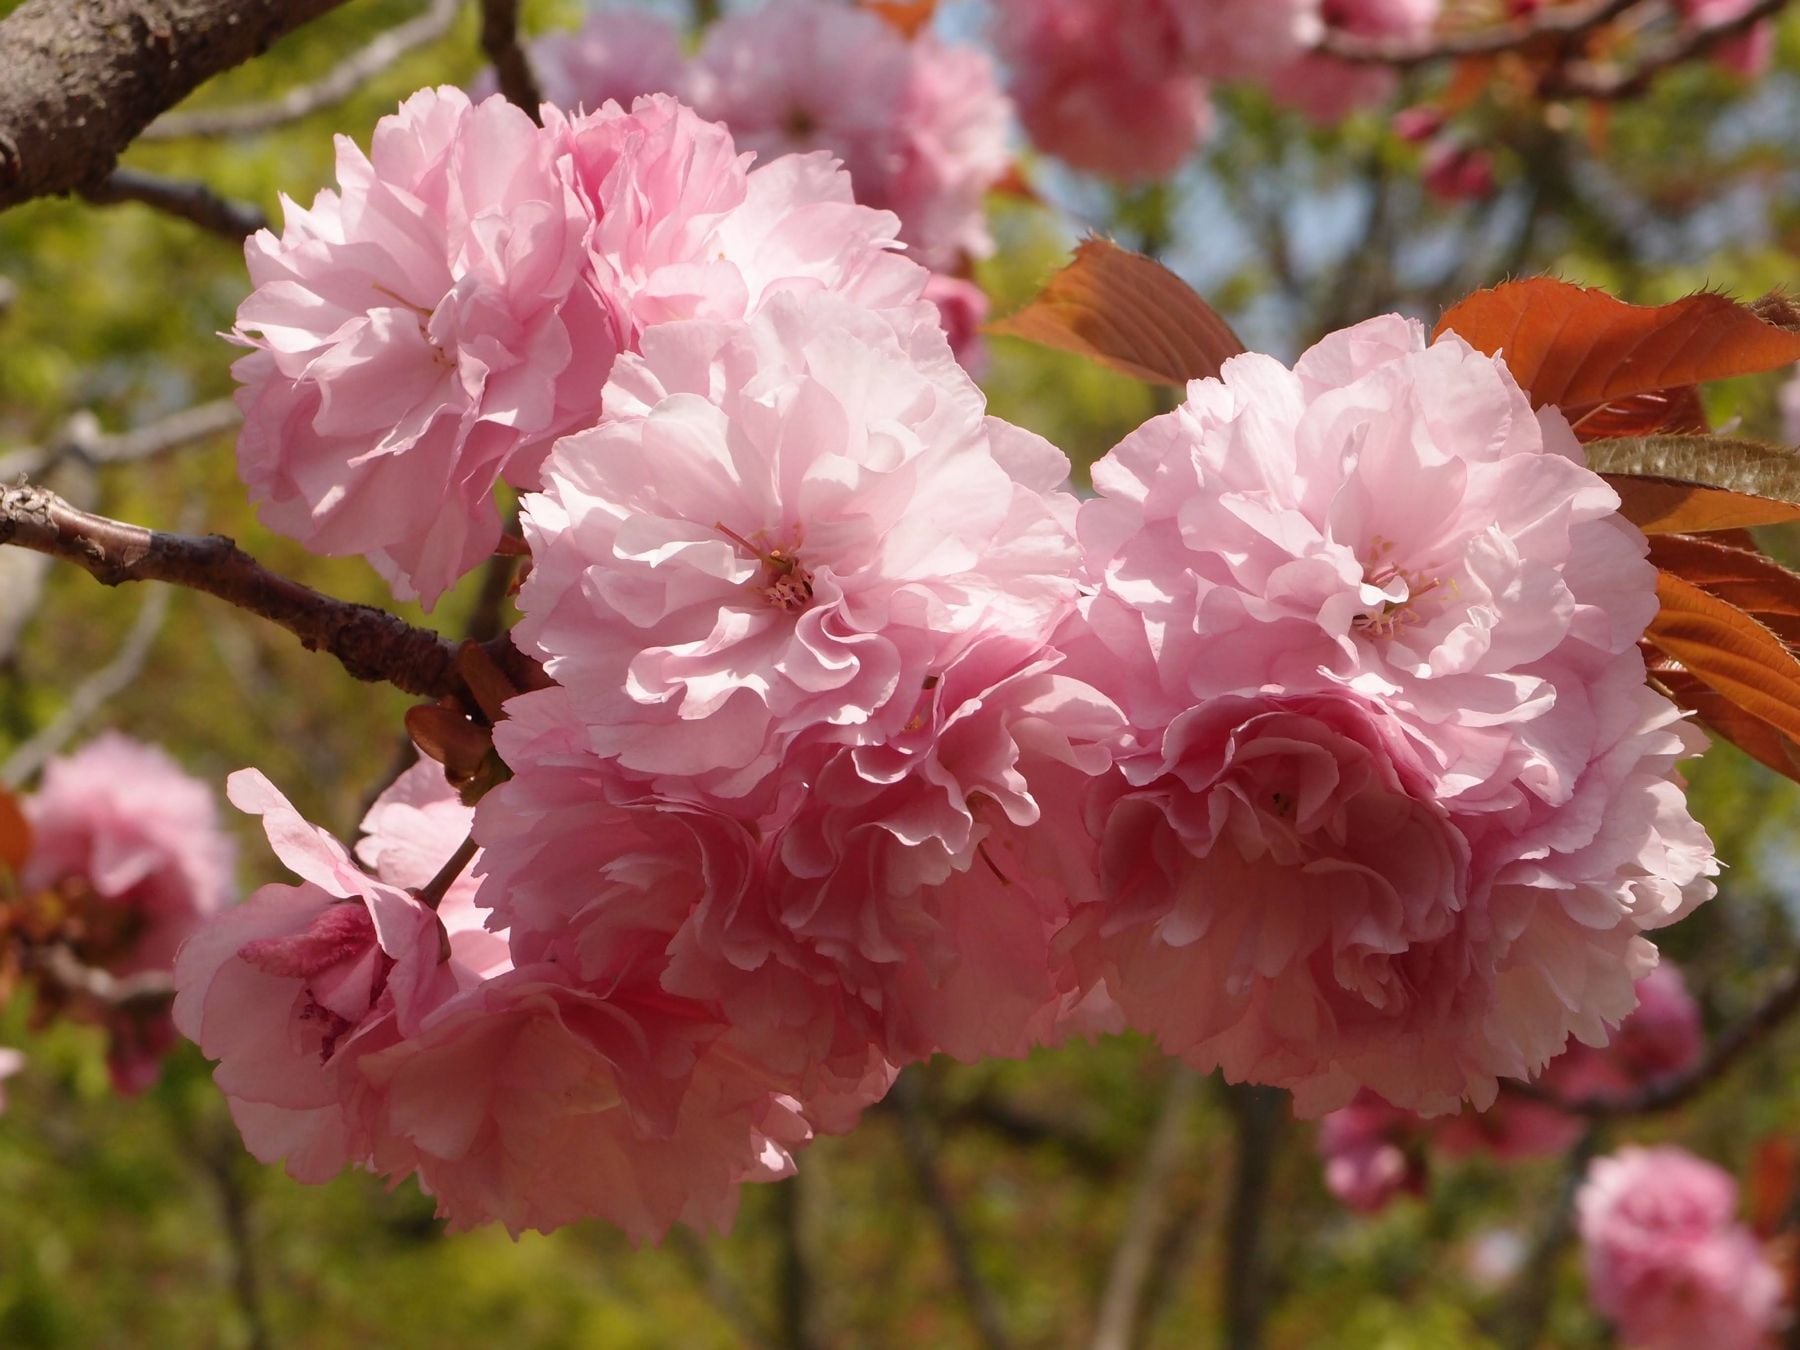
(618, 54)
(921, 125)
(291, 989)
(417, 333)
(1378, 587)
(1667, 1262)
(777, 538)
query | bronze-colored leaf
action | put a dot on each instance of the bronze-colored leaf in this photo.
(909, 16)
(1689, 484)
(1759, 586)
(451, 739)
(1579, 348)
(1728, 722)
(1128, 312)
(1669, 412)
(15, 834)
(488, 684)
(1727, 649)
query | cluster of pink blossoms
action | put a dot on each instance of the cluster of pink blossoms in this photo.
(1373, 1151)
(1120, 87)
(1667, 1262)
(1317, 745)
(919, 123)
(126, 861)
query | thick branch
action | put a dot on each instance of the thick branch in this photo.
(370, 643)
(338, 84)
(83, 79)
(64, 968)
(500, 40)
(1609, 82)
(190, 201)
(1558, 21)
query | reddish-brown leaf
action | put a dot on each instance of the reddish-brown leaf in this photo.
(1671, 412)
(1762, 588)
(909, 16)
(1770, 1190)
(1689, 484)
(15, 833)
(1578, 348)
(1729, 722)
(1727, 649)
(1667, 505)
(1128, 312)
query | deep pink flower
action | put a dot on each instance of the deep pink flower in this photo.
(1372, 1153)
(1449, 603)
(617, 55)
(779, 535)
(962, 308)
(921, 125)
(291, 989)
(1454, 172)
(1748, 54)
(1666, 1262)
(1102, 84)
(1328, 90)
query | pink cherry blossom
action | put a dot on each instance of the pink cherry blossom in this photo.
(779, 536)
(1449, 603)
(618, 54)
(962, 308)
(1749, 53)
(921, 125)
(1454, 172)
(1788, 404)
(1101, 84)
(122, 822)
(291, 989)
(1371, 1152)
(1328, 90)
(1666, 1262)
(417, 333)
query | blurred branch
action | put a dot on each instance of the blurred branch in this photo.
(1260, 1115)
(1147, 1219)
(1560, 21)
(189, 201)
(795, 1290)
(338, 84)
(720, 1288)
(93, 693)
(1528, 1309)
(1079, 1143)
(370, 643)
(83, 79)
(500, 40)
(1586, 80)
(1779, 1004)
(915, 1138)
(83, 439)
(62, 967)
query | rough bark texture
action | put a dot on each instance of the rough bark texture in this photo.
(84, 77)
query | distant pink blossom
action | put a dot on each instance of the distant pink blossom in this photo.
(1326, 89)
(291, 989)
(1666, 1261)
(1371, 1152)
(618, 54)
(1454, 172)
(1788, 404)
(1750, 52)
(962, 308)
(920, 124)
(777, 539)
(11, 1061)
(1451, 615)
(1103, 84)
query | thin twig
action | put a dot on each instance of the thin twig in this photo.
(1610, 82)
(1779, 1004)
(1527, 1309)
(220, 1157)
(190, 201)
(93, 693)
(721, 1289)
(1560, 21)
(370, 643)
(1145, 1223)
(915, 1138)
(512, 68)
(83, 439)
(1260, 1115)
(337, 85)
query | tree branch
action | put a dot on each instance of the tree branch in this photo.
(500, 40)
(189, 201)
(1557, 21)
(1128, 1276)
(1588, 80)
(1261, 1118)
(83, 79)
(338, 84)
(370, 643)
(916, 1140)
(83, 439)
(63, 968)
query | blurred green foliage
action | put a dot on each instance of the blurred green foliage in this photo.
(117, 1226)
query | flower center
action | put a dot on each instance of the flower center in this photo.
(1400, 589)
(785, 582)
